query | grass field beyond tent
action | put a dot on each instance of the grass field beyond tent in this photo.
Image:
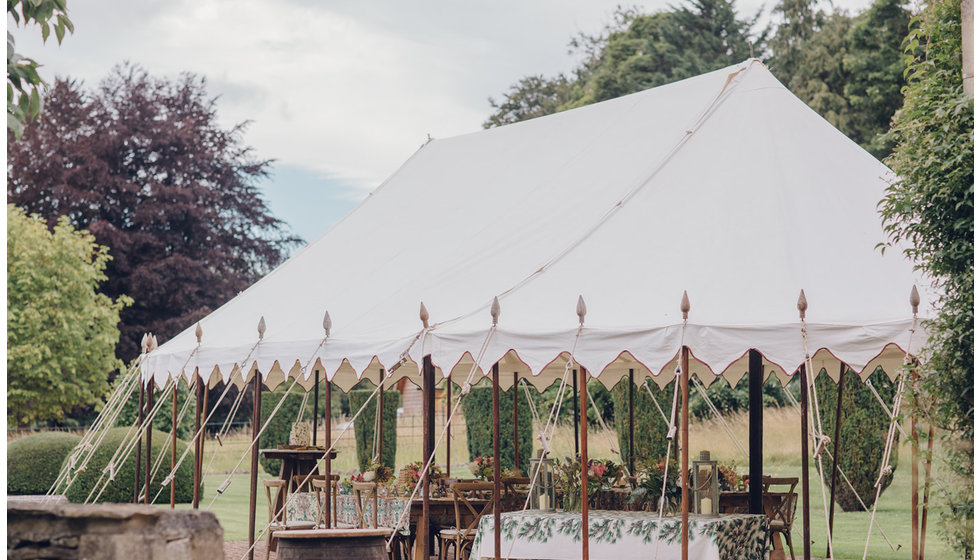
(781, 456)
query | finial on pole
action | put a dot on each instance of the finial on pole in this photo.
(145, 342)
(685, 305)
(495, 310)
(424, 315)
(153, 343)
(327, 324)
(914, 300)
(580, 310)
(802, 305)
(261, 327)
(199, 332)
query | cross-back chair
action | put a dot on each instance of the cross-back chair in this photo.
(469, 505)
(780, 504)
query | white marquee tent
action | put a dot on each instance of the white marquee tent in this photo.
(724, 185)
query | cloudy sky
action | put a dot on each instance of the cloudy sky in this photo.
(339, 93)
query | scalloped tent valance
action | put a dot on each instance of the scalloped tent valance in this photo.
(724, 185)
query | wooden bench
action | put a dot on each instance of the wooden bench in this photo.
(328, 544)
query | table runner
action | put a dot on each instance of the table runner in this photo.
(623, 535)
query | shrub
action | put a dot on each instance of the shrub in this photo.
(277, 432)
(863, 429)
(121, 488)
(364, 426)
(33, 462)
(478, 409)
(650, 431)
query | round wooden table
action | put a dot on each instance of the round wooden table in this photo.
(330, 544)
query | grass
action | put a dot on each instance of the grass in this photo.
(780, 451)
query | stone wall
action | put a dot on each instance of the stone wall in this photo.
(111, 531)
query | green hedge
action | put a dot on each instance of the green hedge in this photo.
(478, 410)
(277, 432)
(862, 434)
(650, 431)
(33, 462)
(364, 426)
(121, 488)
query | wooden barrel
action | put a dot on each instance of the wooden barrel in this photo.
(329, 544)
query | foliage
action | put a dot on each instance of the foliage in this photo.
(24, 100)
(863, 429)
(365, 427)
(568, 479)
(143, 164)
(120, 490)
(570, 403)
(415, 470)
(650, 430)
(728, 477)
(650, 485)
(33, 462)
(482, 467)
(163, 421)
(478, 410)
(729, 400)
(61, 331)
(928, 211)
(277, 432)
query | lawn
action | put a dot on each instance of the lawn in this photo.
(781, 455)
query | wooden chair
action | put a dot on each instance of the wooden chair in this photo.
(320, 487)
(362, 491)
(514, 492)
(277, 519)
(781, 509)
(467, 518)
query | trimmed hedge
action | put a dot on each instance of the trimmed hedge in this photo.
(121, 488)
(478, 410)
(364, 426)
(33, 462)
(650, 431)
(862, 434)
(277, 432)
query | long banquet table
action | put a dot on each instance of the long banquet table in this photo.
(623, 535)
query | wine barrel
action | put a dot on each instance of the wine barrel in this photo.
(330, 544)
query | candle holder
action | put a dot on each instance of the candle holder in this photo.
(706, 499)
(543, 485)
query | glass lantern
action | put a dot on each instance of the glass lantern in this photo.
(543, 486)
(705, 485)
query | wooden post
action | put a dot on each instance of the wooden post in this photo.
(685, 491)
(173, 448)
(197, 440)
(139, 447)
(631, 451)
(517, 414)
(253, 477)
(805, 455)
(756, 375)
(449, 428)
(327, 442)
(584, 436)
(915, 489)
(575, 408)
(428, 434)
(381, 417)
(316, 397)
(496, 462)
(925, 493)
(833, 476)
(149, 436)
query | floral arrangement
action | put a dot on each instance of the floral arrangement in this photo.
(376, 472)
(728, 477)
(650, 483)
(482, 467)
(347, 485)
(415, 470)
(568, 478)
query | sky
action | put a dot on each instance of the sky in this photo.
(337, 93)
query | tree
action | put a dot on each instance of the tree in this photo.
(143, 164)
(929, 210)
(61, 332)
(24, 100)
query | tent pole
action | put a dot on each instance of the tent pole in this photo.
(496, 461)
(833, 476)
(575, 409)
(915, 489)
(756, 374)
(631, 421)
(925, 492)
(253, 477)
(584, 436)
(139, 447)
(449, 439)
(517, 455)
(805, 456)
(685, 492)
(204, 416)
(197, 440)
(173, 448)
(327, 442)
(149, 436)
(381, 417)
(428, 427)
(316, 398)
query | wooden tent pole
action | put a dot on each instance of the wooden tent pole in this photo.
(584, 436)
(517, 415)
(428, 425)
(173, 448)
(449, 431)
(149, 437)
(915, 489)
(253, 477)
(381, 417)
(496, 462)
(327, 442)
(316, 399)
(139, 447)
(925, 493)
(575, 409)
(805, 455)
(685, 491)
(756, 375)
(197, 440)
(631, 422)
(833, 475)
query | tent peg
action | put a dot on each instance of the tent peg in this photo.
(198, 332)
(261, 327)
(685, 305)
(424, 315)
(802, 305)
(327, 324)
(914, 300)
(580, 310)
(495, 310)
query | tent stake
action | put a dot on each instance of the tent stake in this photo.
(253, 476)
(584, 436)
(496, 461)
(685, 492)
(833, 476)
(756, 375)
(805, 448)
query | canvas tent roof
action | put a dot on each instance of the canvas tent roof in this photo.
(724, 185)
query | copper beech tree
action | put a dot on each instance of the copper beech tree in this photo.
(143, 164)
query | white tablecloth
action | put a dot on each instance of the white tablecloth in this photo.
(623, 535)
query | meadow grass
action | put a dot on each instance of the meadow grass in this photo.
(781, 455)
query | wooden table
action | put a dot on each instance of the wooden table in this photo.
(329, 544)
(293, 462)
